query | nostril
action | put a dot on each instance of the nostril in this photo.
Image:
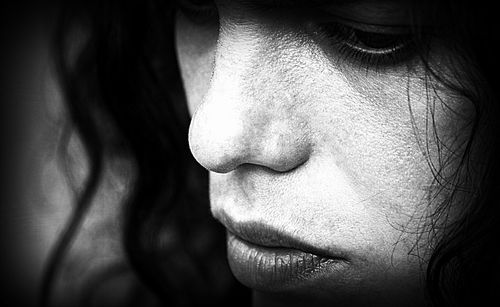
(218, 159)
(222, 151)
(232, 127)
(289, 163)
(224, 161)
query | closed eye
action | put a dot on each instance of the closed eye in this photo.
(370, 45)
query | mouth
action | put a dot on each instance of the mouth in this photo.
(266, 259)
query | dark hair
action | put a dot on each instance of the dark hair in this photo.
(123, 77)
(463, 267)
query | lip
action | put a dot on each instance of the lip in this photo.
(265, 259)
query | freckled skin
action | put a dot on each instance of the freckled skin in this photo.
(319, 148)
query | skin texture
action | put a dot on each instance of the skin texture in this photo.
(336, 153)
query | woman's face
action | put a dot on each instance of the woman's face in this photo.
(323, 137)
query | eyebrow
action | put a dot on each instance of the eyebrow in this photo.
(301, 3)
(314, 3)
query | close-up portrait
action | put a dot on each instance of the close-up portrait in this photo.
(257, 153)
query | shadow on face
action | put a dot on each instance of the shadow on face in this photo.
(314, 124)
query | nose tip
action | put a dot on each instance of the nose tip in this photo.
(249, 114)
(222, 140)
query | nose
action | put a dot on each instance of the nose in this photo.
(248, 115)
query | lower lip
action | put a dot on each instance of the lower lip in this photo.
(274, 268)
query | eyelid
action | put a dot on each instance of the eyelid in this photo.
(396, 29)
(384, 12)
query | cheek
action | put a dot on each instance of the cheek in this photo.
(373, 137)
(387, 135)
(406, 150)
(195, 47)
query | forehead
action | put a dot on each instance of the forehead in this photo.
(309, 3)
(359, 7)
(295, 3)
(365, 11)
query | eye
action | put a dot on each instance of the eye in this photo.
(371, 45)
(198, 11)
(378, 43)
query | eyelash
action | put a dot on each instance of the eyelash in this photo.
(345, 37)
(350, 42)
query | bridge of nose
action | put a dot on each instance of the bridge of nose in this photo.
(252, 111)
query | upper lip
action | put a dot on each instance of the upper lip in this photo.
(264, 235)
